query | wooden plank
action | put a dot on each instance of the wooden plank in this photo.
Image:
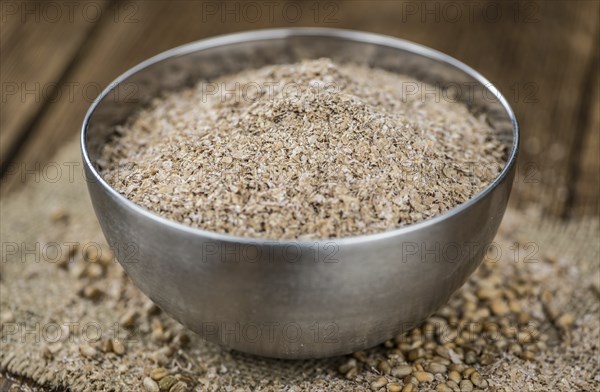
(537, 53)
(39, 40)
(10, 23)
(556, 64)
(587, 183)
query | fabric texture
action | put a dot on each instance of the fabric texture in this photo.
(61, 316)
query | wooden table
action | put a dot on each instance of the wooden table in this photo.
(57, 56)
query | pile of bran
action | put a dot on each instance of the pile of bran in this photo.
(307, 150)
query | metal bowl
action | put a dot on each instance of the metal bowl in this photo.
(297, 299)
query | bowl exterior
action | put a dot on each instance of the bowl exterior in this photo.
(299, 300)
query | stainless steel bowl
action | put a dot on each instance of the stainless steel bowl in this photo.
(297, 299)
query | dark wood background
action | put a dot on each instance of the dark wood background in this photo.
(55, 57)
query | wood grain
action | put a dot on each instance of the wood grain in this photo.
(558, 63)
(38, 44)
(10, 24)
(586, 184)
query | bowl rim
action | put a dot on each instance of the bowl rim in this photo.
(281, 33)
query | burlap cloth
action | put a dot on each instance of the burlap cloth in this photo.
(52, 311)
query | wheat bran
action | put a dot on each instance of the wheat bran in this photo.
(307, 150)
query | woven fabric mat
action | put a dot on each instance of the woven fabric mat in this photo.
(54, 308)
